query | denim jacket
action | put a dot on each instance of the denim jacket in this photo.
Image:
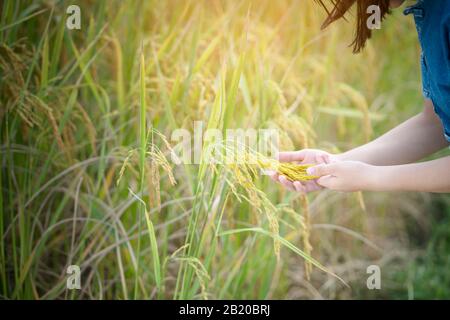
(432, 18)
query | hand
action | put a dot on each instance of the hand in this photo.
(305, 156)
(345, 175)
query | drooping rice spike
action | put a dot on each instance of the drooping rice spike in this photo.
(292, 171)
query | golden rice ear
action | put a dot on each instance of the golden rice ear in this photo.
(153, 182)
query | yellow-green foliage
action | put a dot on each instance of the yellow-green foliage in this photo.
(82, 109)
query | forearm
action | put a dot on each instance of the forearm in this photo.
(411, 141)
(430, 176)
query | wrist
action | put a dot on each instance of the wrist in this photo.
(376, 178)
(341, 157)
(386, 178)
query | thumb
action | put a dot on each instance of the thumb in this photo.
(321, 170)
(326, 181)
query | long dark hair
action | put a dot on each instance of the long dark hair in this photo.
(340, 7)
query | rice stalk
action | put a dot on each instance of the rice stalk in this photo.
(306, 232)
(240, 165)
(142, 153)
(200, 271)
(45, 63)
(153, 246)
(287, 244)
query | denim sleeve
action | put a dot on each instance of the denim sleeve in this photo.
(425, 77)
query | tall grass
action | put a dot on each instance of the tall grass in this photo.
(142, 151)
(85, 124)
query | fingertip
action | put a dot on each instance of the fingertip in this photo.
(285, 182)
(274, 176)
(282, 179)
(299, 187)
(270, 173)
(312, 186)
(324, 181)
(320, 181)
(312, 171)
(320, 170)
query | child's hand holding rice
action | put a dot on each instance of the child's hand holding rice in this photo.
(306, 156)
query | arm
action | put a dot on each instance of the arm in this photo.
(411, 141)
(430, 176)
